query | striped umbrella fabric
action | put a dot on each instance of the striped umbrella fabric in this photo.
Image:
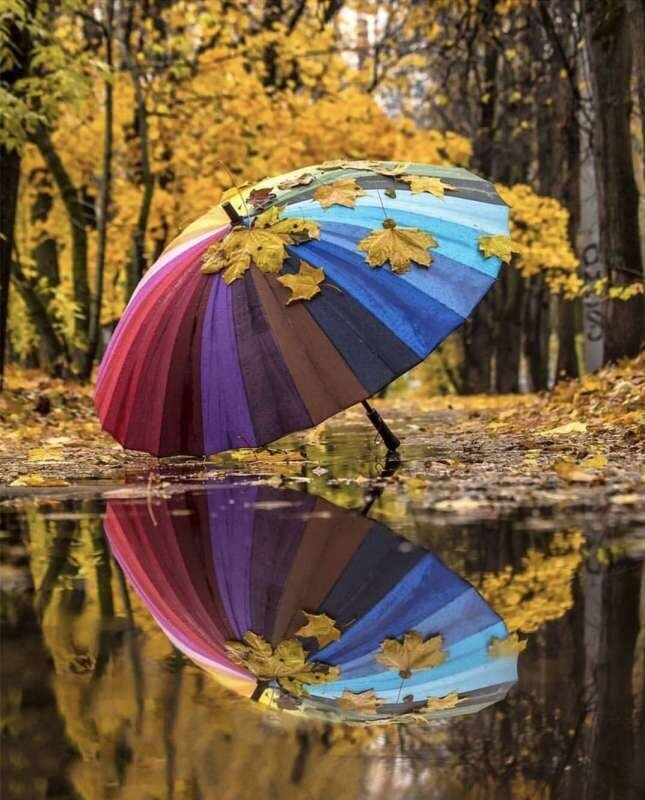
(213, 565)
(198, 365)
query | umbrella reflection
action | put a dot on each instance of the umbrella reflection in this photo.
(308, 607)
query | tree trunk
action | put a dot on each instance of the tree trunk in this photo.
(608, 31)
(10, 169)
(73, 202)
(510, 290)
(104, 200)
(567, 364)
(536, 333)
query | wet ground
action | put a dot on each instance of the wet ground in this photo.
(99, 702)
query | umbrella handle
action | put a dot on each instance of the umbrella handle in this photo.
(391, 441)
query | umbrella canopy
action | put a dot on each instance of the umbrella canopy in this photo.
(289, 599)
(295, 299)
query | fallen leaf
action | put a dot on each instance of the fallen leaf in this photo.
(261, 197)
(304, 284)
(36, 479)
(320, 627)
(421, 183)
(364, 702)
(45, 454)
(287, 661)
(300, 180)
(500, 246)
(412, 653)
(398, 246)
(504, 648)
(570, 471)
(458, 504)
(563, 430)
(342, 192)
(441, 703)
(384, 168)
(598, 461)
(263, 245)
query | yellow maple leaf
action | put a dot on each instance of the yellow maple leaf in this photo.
(304, 284)
(503, 648)
(287, 662)
(398, 246)
(422, 183)
(342, 192)
(44, 454)
(441, 703)
(364, 702)
(389, 170)
(36, 479)
(412, 653)
(320, 626)
(264, 245)
(300, 180)
(570, 471)
(499, 245)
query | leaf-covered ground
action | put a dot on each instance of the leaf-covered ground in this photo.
(577, 449)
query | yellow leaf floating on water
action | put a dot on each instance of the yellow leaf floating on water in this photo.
(504, 648)
(422, 183)
(287, 662)
(321, 627)
(263, 245)
(412, 653)
(441, 703)
(397, 246)
(342, 192)
(364, 702)
(304, 284)
(498, 245)
(36, 479)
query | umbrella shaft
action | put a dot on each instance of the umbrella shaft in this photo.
(391, 441)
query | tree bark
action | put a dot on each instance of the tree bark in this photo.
(608, 31)
(10, 168)
(104, 199)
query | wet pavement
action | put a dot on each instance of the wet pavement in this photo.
(121, 598)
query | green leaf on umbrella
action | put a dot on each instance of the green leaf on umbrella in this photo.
(397, 246)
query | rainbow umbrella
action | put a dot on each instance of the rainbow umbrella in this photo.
(295, 299)
(240, 577)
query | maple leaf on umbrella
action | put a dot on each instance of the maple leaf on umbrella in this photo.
(261, 197)
(364, 702)
(421, 183)
(389, 170)
(342, 192)
(441, 703)
(398, 246)
(503, 648)
(304, 285)
(412, 653)
(498, 245)
(300, 180)
(287, 662)
(263, 244)
(320, 626)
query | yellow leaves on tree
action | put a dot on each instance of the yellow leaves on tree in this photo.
(398, 247)
(539, 229)
(422, 183)
(321, 627)
(412, 653)
(287, 663)
(342, 192)
(541, 590)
